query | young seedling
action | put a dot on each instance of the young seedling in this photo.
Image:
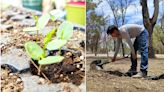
(40, 24)
(38, 54)
(64, 33)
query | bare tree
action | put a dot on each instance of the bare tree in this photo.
(114, 7)
(93, 28)
(149, 23)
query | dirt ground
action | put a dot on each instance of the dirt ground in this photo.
(103, 81)
(10, 82)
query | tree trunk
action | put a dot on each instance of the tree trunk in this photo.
(151, 49)
(96, 45)
(106, 48)
(149, 23)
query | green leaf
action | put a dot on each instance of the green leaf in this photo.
(34, 50)
(49, 36)
(43, 20)
(65, 31)
(56, 44)
(29, 29)
(51, 60)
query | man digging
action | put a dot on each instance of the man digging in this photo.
(127, 32)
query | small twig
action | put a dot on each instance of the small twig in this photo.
(41, 72)
(34, 64)
(39, 69)
(45, 77)
(81, 75)
(59, 71)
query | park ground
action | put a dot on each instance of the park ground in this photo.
(104, 81)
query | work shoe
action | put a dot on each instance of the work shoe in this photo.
(131, 72)
(141, 74)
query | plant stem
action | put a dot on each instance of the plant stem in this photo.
(59, 51)
(37, 35)
(38, 69)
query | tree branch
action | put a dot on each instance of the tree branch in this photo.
(145, 14)
(156, 11)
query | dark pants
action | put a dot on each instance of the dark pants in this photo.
(141, 45)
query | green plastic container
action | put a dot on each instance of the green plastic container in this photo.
(33, 4)
(76, 13)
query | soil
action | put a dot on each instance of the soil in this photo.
(112, 78)
(10, 82)
(71, 69)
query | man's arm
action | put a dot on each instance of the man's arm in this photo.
(128, 40)
(117, 49)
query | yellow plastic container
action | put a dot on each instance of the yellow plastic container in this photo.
(76, 13)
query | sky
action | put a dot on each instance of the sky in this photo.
(133, 14)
